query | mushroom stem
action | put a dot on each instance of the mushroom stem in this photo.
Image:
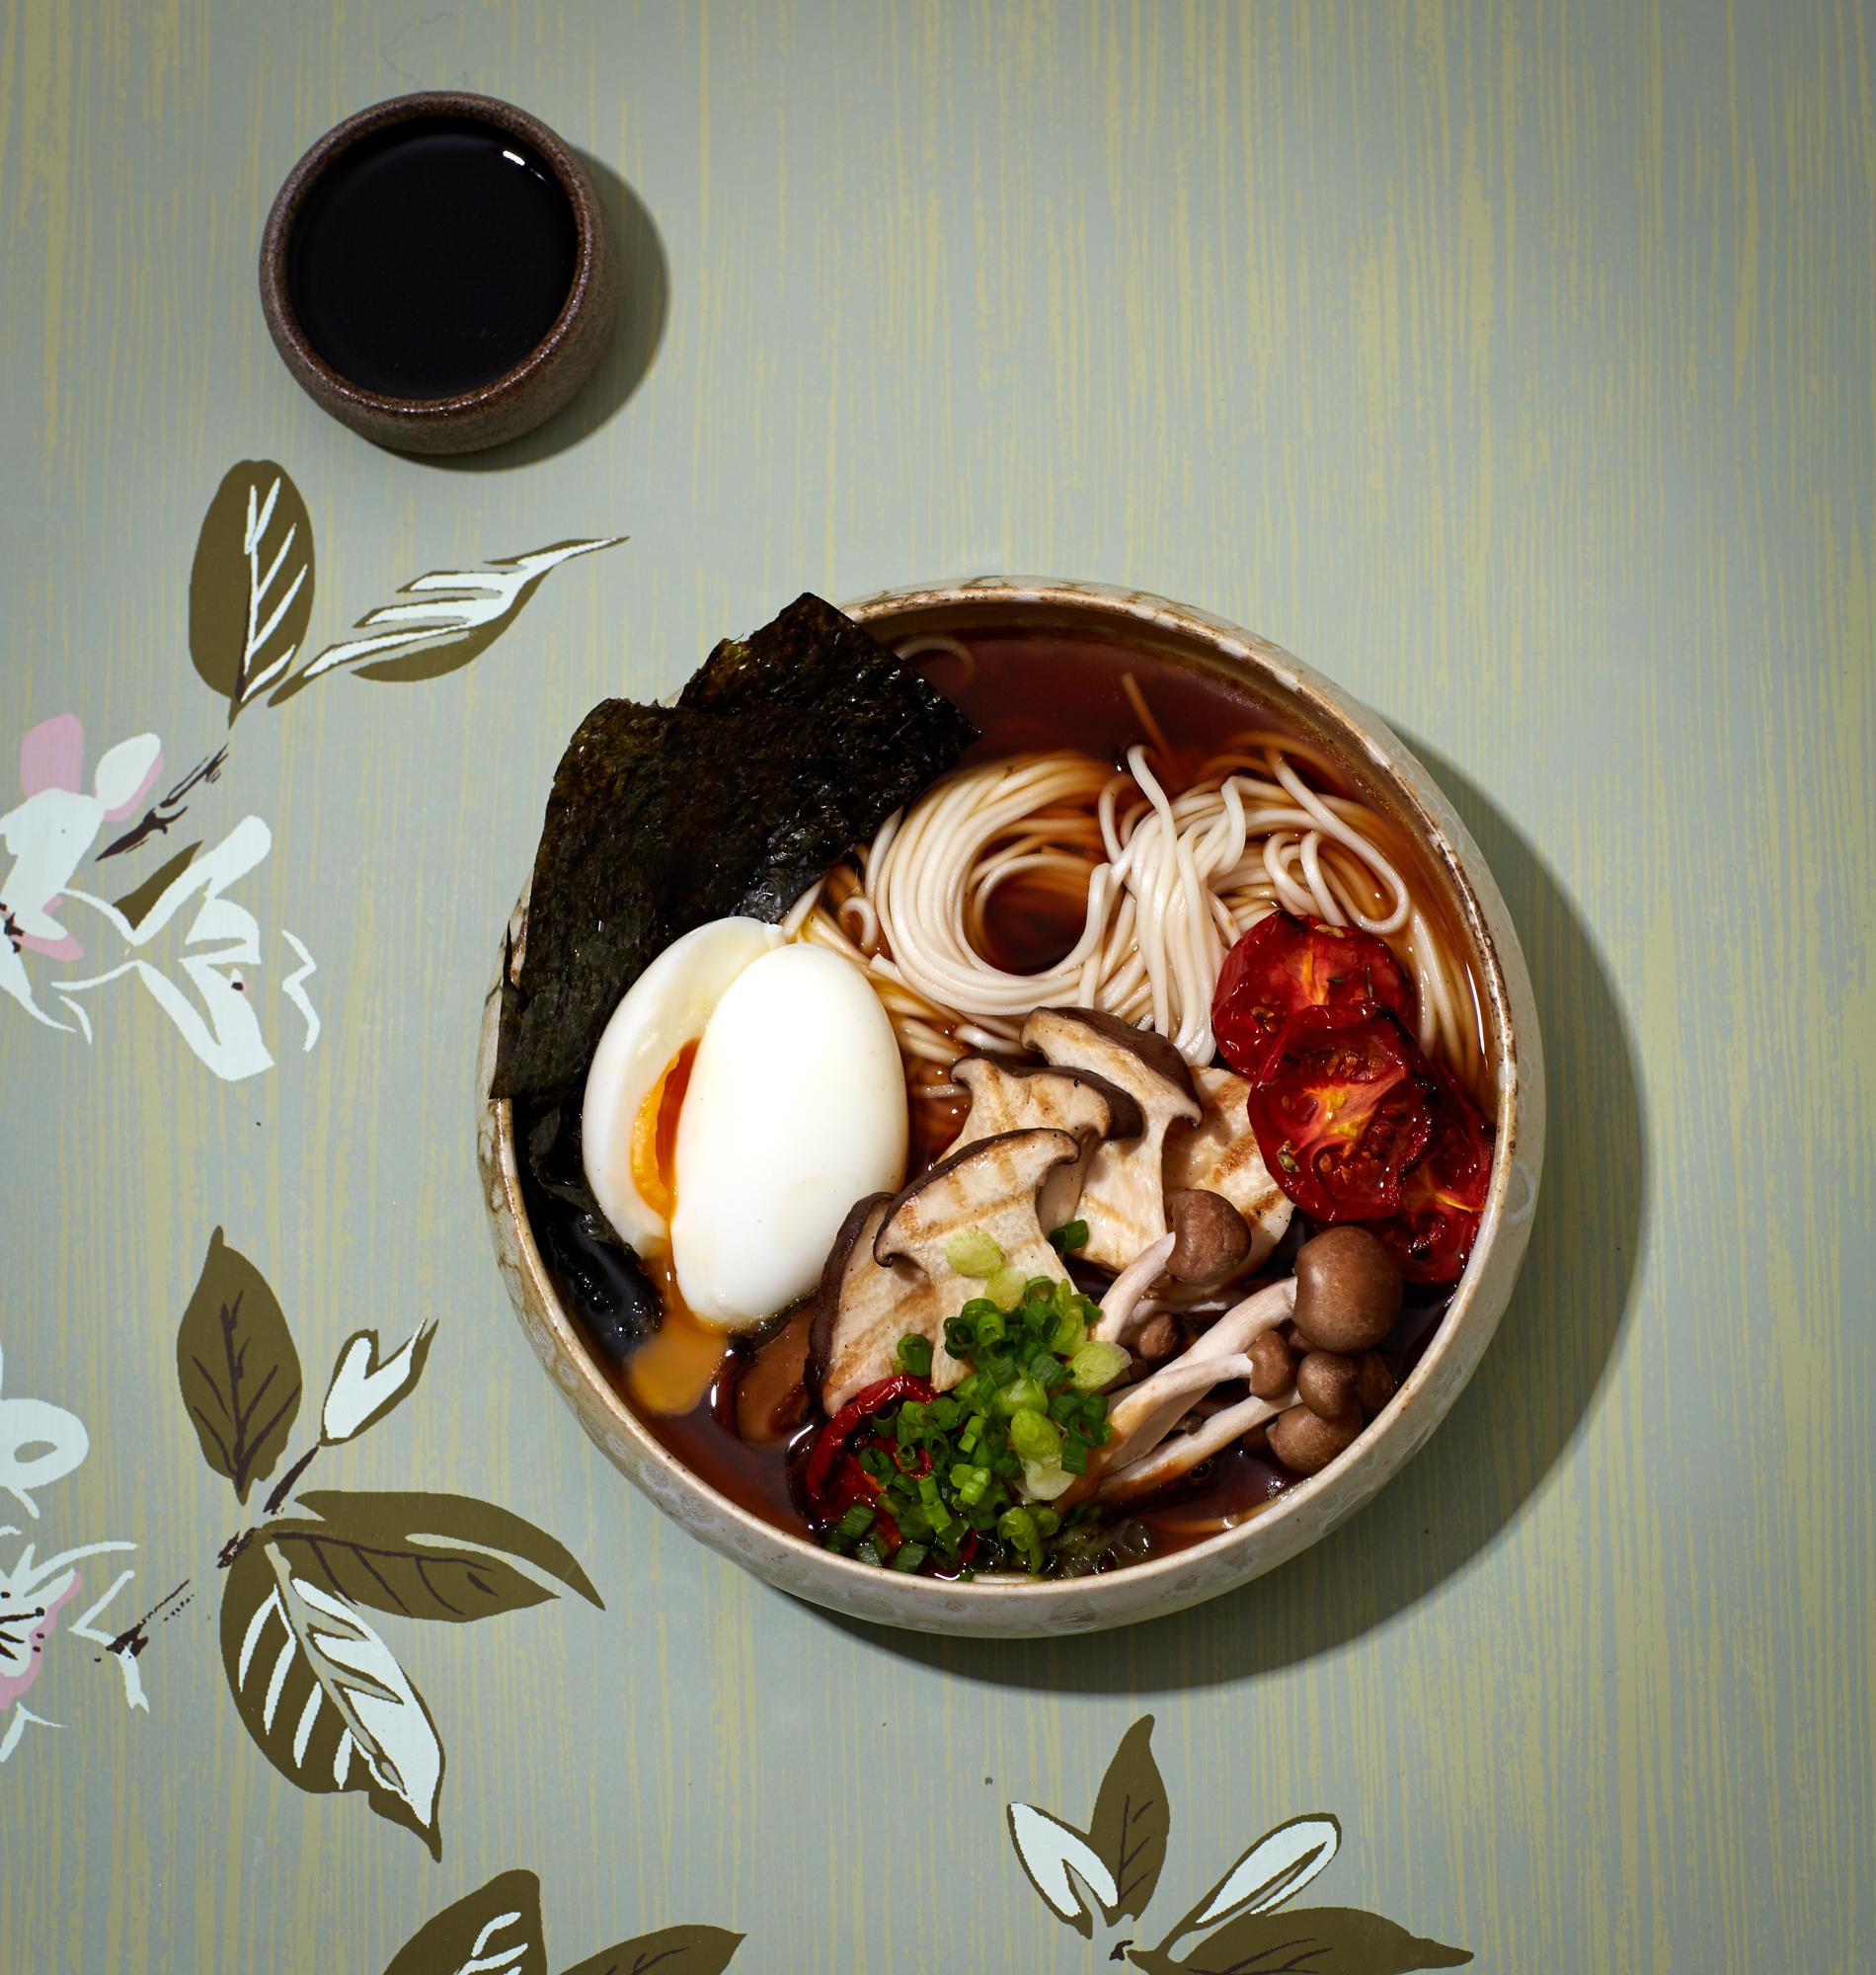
(1128, 1287)
(1147, 1412)
(1174, 1457)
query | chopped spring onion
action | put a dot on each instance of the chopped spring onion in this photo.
(1027, 1395)
(1069, 1237)
(1035, 1436)
(961, 1482)
(973, 1254)
(1005, 1288)
(1097, 1364)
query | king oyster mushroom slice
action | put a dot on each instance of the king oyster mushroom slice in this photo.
(864, 1307)
(1124, 1194)
(1218, 1155)
(1019, 1097)
(989, 1188)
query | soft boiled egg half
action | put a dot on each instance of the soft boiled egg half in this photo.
(745, 1094)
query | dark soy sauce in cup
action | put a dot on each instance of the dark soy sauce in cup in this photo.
(430, 258)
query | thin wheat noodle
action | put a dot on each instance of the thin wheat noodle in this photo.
(1165, 882)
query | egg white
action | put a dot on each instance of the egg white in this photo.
(668, 1006)
(796, 1108)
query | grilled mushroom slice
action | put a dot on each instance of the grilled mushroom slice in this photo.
(1219, 1156)
(1022, 1097)
(1123, 1194)
(989, 1188)
(863, 1309)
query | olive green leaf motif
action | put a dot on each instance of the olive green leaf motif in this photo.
(251, 584)
(1110, 1871)
(320, 1691)
(238, 1369)
(250, 608)
(1112, 1868)
(497, 1930)
(321, 1694)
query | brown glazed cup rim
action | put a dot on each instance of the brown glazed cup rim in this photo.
(424, 106)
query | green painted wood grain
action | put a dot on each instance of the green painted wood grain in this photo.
(1512, 363)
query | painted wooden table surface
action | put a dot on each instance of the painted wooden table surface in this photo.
(1512, 363)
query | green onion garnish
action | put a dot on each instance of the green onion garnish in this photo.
(1005, 1288)
(914, 1355)
(973, 1254)
(1069, 1237)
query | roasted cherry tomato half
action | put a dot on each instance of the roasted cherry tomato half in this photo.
(1341, 1110)
(1285, 963)
(1443, 1195)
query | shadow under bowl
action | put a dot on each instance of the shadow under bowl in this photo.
(1387, 776)
(502, 407)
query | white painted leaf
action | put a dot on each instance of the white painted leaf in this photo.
(364, 1389)
(324, 1697)
(1276, 1868)
(1051, 1852)
(452, 618)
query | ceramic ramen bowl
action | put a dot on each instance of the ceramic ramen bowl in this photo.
(1393, 780)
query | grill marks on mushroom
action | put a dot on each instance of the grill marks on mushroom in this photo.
(863, 1309)
(1220, 1154)
(887, 1275)
(1012, 1097)
(1123, 1194)
(988, 1188)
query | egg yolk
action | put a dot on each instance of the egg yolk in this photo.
(672, 1369)
(654, 1135)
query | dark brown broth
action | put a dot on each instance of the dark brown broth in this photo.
(1025, 692)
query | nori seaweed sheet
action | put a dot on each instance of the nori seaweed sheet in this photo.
(787, 748)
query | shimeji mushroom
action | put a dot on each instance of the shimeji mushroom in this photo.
(986, 1193)
(1019, 1097)
(1212, 1241)
(1145, 1413)
(1123, 1194)
(1339, 1290)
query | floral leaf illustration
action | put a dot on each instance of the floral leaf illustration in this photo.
(455, 616)
(363, 1553)
(1323, 1941)
(364, 1388)
(673, 1950)
(251, 584)
(1274, 1870)
(455, 1520)
(324, 1697)
(136, 904)
(494, 1930)
(1061, 1865)
(1132, 1821)
(237, 1367)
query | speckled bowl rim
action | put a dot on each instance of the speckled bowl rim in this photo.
(276, 296)
(1303, 1513)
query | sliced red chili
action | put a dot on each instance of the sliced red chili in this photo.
(825, 1461)
(1285, 963)
(1341, 1111)
(1443, 1195)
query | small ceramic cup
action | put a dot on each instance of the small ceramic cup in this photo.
(507, 405)
(1388, 774)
